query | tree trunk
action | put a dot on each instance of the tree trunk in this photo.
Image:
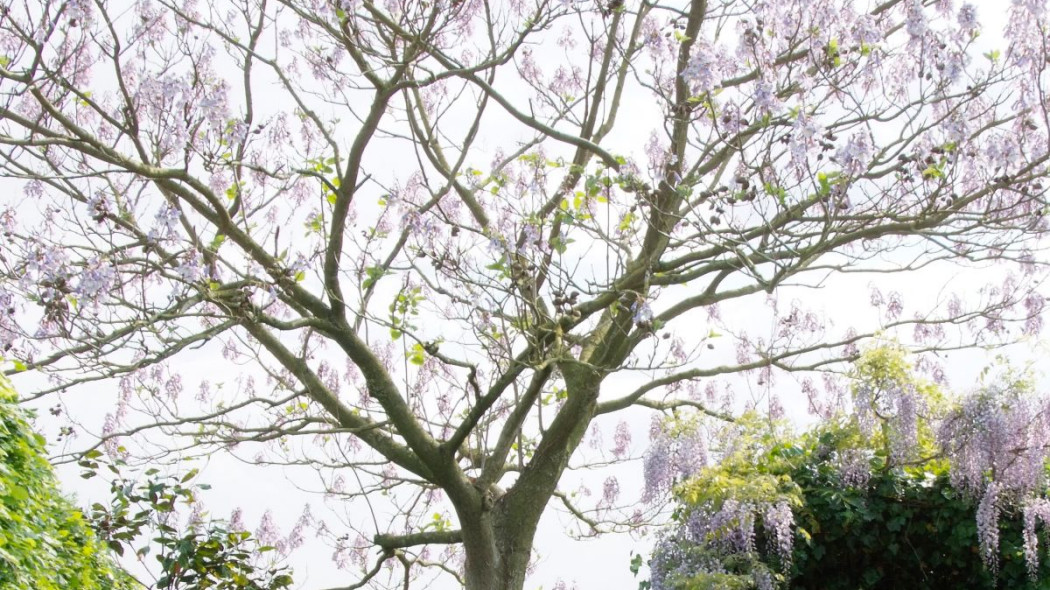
(499, 529)
(497, 551)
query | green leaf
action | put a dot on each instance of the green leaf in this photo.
(416, 355)
(626, 221)
(372, 276)
(932, 172)
(636, 564)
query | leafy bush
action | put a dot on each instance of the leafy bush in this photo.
(45, 542)
(847, 506)
(142, 517)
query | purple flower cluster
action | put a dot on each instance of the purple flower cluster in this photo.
(1035, 510)
(268, 533)
(765, 97)
(610, 491)
(895, 406)
(165, 221)
(778, 521)
(674, 558)
(96, 280)
(710, 536)
(621, 440)
(967, 18)
(998, 436)
(988, 526)
(805, 136)
(671, 459)
(916, 24)
(854, 467)
(855, 156)
(704, 71)
(996, 441)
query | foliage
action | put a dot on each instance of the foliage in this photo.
(906, 528)
(45, 542)
(143, 517)
(861, 518)
(425, 249)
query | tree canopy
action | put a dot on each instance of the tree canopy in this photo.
(422, 249)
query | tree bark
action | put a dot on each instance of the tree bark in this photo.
(499, 529)
(498, 546)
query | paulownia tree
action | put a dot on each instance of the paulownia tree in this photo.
(436, 241)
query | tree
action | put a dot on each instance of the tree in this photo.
(847, 505)
(430, 230)
(45, 542)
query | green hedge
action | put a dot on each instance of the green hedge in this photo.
(45, 542)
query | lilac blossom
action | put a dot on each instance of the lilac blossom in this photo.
(164, 224)
(731, 527)
(79, 12)
(805, 133)
(671, 459)
(237, 520)
(673, 560)
(296, 537)
(856, 155)
(994, 436)
(905, 425)
(1034, 304)
(267, 532)
(641, 313)
(621, 440)
(96, 280)
(765, 98)
(610, 491)
(854, 467)
(1035, 511)
(866, 30)
(916, 24)
(49, 264)
(988, 526)
(703, 72)
(190, 268)
(778, 521)
(657, 468)
(967, 18)
(196, 516)
(595, 439)
(711, 534)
